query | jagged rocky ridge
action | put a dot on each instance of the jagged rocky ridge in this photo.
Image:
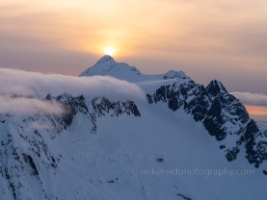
(97, 107)
(221, 113)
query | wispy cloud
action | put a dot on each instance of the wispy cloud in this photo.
(251, 99)
(23, 105)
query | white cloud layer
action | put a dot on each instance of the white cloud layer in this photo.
(21, 105)
(37, 85)
(251, 99)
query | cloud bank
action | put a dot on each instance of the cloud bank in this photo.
(30, 88)
(251, 99)
(22, 105)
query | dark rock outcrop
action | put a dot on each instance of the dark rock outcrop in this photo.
(221, 113)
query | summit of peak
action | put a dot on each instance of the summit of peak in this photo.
(105, 58)
(215, 87)
(104, 64)
(107, 66)
(174, 74)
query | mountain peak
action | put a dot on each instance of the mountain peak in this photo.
(215, 87)
(174, 74)
(107, 66)
(105, 58)
(103, 65)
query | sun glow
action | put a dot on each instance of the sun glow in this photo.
(109, 51)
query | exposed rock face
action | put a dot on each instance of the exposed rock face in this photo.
(221, 113)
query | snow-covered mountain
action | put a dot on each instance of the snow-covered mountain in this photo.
(141, 137)
(107, 66)
(222, 115)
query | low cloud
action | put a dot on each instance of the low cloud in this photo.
(30, 88)
(23, 105)
(251, 99)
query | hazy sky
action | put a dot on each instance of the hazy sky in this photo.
(207, 39)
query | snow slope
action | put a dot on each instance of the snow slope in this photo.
(171, 141)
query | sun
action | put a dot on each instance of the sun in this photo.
(109, 51)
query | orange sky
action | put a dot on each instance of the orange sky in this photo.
(256, 110)
(207, 39)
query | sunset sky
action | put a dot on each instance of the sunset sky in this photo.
(207, 39)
